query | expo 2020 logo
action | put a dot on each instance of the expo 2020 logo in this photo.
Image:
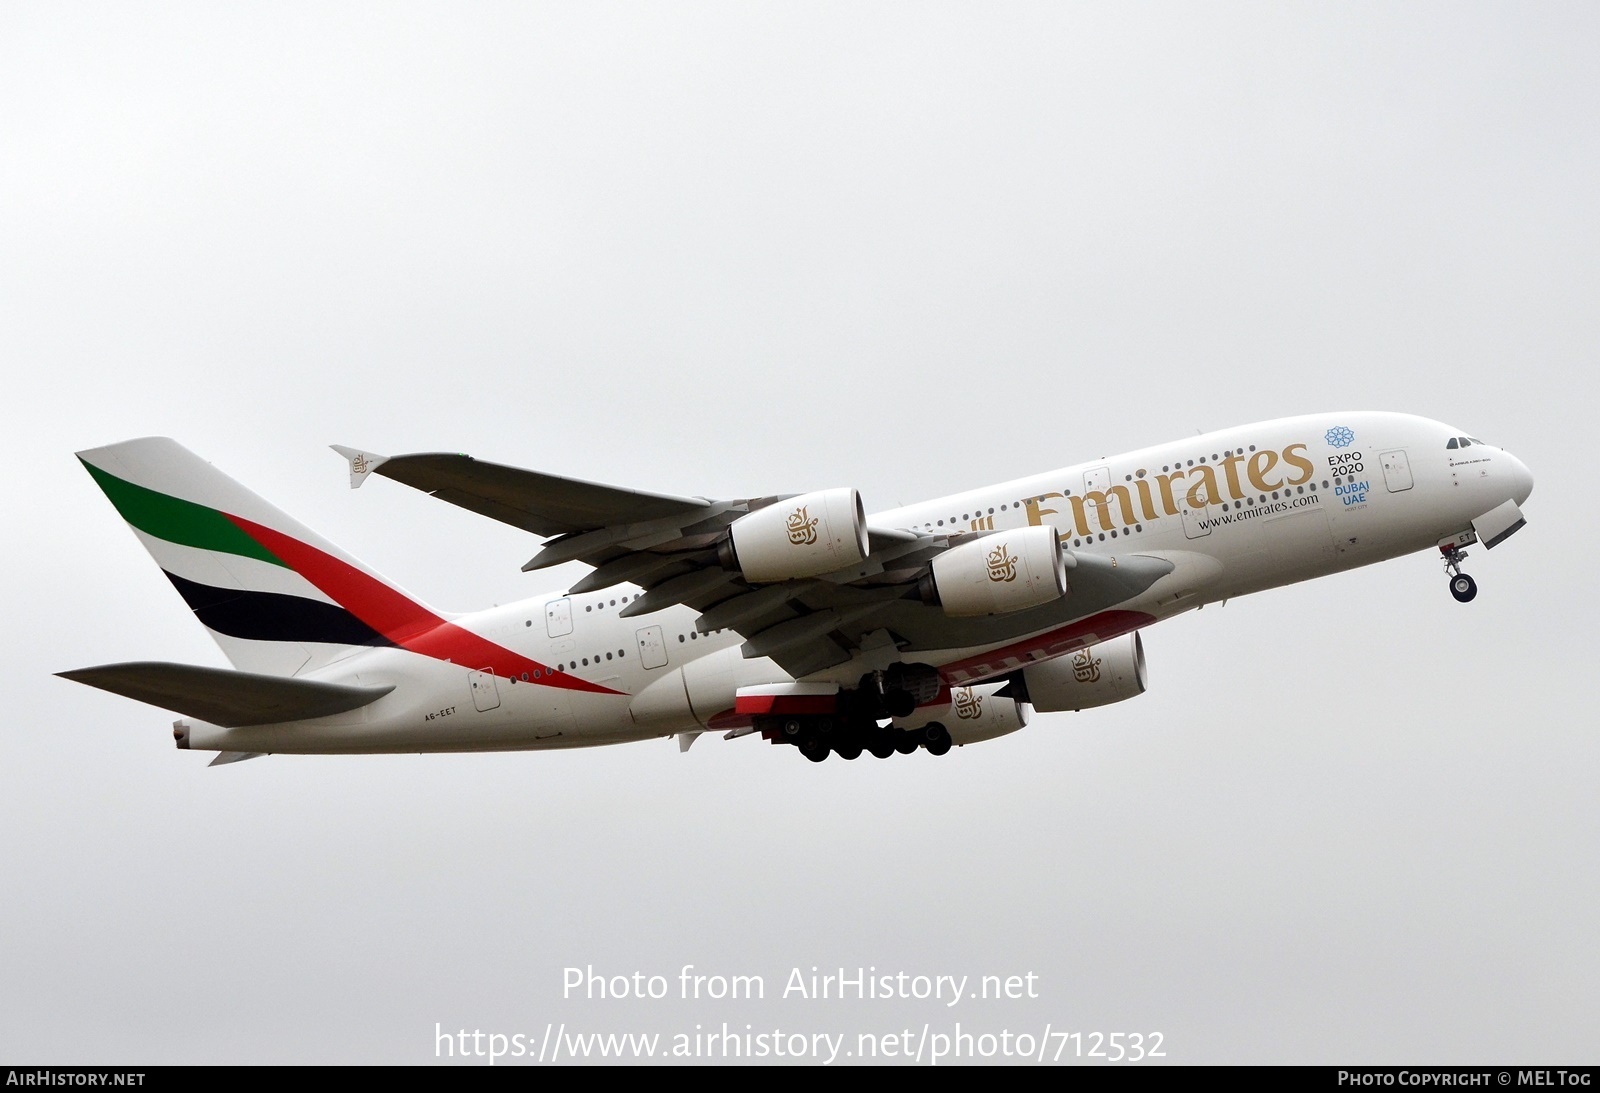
(1340, 437)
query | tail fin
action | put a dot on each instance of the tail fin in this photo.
(275, 596)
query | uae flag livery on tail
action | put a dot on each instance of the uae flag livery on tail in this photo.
(274, 595)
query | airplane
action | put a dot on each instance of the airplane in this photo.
(796, 618)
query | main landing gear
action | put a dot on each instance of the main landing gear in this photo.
(817, 737)
(1462, 587)
(856, 725)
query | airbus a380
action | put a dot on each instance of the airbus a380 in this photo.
(796, 618)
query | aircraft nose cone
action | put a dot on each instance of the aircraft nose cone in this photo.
(1522, 479)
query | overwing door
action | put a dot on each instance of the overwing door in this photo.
(558, 617)
(652, 647)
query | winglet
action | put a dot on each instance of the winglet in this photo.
(361, 463)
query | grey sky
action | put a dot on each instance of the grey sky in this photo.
(731, 250)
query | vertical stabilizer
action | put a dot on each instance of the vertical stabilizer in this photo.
(278, 598)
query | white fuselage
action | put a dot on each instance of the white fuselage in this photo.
(1235, 512)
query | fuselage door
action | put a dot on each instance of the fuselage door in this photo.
(652, 647)
(1096, 478)
(1396, 471)
(1196, 522)
(485, 695)
(558, 617)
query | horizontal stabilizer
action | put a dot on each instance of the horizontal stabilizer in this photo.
(225, 757)
(225, 697)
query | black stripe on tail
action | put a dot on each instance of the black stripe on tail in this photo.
(274, 616)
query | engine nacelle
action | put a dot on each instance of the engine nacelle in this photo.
(804, 536)
(1096, 676)
(997, 574)
(973, 714)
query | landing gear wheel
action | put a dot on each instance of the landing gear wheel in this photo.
(851, 750)
(881, 746)
(814, 751)
(792, 726)
(906, 742)
(936, 738)
(1462, 587)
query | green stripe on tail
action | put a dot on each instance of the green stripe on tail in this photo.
(178, 521)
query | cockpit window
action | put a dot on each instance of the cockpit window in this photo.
(1454, 443)
(1474, 439)
(1465, 443)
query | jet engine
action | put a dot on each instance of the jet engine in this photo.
(971, 715)
(1098, 675)
(997, 574)
(804, 536)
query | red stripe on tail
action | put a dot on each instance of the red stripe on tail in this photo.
(403, 621)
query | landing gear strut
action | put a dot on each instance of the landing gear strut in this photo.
(1462, 587)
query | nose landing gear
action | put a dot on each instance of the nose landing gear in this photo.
(1462, 587)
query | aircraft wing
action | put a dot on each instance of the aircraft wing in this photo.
(670, 547)
(544, 504)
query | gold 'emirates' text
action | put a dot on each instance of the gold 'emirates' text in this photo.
(1195, 487)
